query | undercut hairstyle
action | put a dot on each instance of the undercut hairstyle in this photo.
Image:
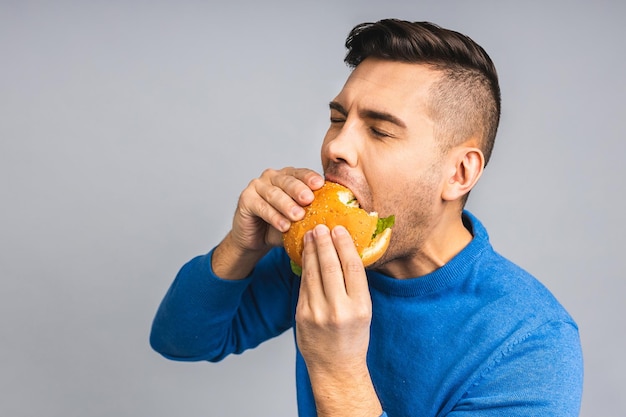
(465, 101)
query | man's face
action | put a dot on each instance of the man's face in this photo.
(380, 144)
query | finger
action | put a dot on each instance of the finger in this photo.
(253, 204)
(288, 190)
(311, 178)
(298, 183)
(278, 201)
(353, 271)
(330, 267)
(311, 287)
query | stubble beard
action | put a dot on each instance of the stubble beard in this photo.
(415, 219)
(414, 210)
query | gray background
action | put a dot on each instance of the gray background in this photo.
(128, 129)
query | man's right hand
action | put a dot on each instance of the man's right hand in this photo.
(265, 210)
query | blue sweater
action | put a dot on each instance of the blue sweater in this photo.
(478, 336)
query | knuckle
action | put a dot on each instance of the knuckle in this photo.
(354, 265)
(288, 170)
(346, 319)
(307, 273)
(273, 193)
(331, 268)
(268, 173)
(336, 320)
(254, 184)
(308, 318)
(301, 315)
(363, 314)
(248, 190)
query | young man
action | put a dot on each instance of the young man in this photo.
(442, 324)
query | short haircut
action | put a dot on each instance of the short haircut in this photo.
(465, 102)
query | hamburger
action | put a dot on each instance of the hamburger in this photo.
(336, 205)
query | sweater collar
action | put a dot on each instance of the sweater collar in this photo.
(456, 270)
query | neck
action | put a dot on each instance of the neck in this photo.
(442, 243)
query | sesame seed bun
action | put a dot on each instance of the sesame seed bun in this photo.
(335, 205)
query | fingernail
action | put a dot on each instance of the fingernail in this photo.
(340, 231)
(320, 230)
(297, 212)
(317, 181)
(306, 196)
(284, 225)
(308, 236)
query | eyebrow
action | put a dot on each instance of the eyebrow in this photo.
(369, 114)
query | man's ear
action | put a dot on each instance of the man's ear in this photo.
(466, 167)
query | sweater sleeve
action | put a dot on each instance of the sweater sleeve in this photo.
(541, 374)
(203, 317)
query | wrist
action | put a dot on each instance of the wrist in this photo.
(232, 262)
(340, 393)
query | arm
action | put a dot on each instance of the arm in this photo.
(540, 374)
(333, 318)
(216, 296)
(203, 317)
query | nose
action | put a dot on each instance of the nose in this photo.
(341, 145)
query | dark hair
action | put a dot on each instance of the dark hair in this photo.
(466, 100)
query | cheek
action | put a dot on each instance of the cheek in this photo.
(414, 208)
(324, 151)
(411, 196)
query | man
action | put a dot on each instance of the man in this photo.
(442, 324)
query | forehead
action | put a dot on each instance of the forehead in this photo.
(389, 84)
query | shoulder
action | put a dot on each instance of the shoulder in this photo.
(510, 285)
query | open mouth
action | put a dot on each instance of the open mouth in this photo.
(348, 198)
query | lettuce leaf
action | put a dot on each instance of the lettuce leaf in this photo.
(295, 268)
(384, 223)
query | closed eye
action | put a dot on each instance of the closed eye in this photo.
(338, 113)
(378, 133)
